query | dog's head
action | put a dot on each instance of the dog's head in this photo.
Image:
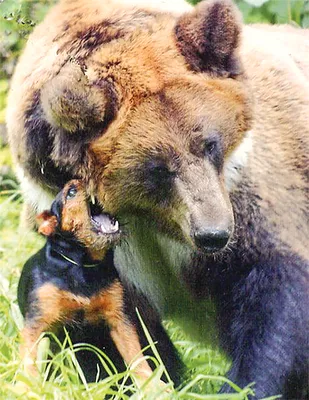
(74, 214)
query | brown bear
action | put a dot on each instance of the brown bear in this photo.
(194, 131)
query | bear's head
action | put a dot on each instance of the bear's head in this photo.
(160, 111)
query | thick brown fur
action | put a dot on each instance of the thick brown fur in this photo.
(153, 63)
(190, 125)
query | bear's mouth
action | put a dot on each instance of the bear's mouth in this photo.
(102, 223)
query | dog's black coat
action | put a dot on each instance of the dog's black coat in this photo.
(49, 266)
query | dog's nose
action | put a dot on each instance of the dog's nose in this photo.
(211, 240)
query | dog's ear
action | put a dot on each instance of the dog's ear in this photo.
(47, 223)
(208, 38)
(72, 103)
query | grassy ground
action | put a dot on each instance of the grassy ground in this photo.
(205, 365)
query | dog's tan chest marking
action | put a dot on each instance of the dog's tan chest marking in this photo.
(59, 305)
(56, 305)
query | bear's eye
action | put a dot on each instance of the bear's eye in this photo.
(210, 147)
(214, 152)
(71, 192)
(160, 172)
(157, 179)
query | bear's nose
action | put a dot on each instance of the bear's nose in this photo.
(211, 240)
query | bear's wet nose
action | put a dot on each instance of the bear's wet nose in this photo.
(211, 240)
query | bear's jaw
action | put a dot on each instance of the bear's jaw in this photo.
(153, 262)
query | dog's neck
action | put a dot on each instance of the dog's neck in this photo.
(66, 250)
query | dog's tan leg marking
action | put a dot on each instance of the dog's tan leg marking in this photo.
(109, 304)
(53, 305)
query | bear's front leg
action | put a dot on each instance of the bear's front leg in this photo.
(264, 317)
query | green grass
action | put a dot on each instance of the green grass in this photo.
(205, 366)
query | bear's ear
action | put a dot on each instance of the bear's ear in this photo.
(209, 36)
(47, 223)
(69, 101)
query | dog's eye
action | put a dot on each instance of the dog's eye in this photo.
(71, 192)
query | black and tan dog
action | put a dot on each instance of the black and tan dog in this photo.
(72, 282)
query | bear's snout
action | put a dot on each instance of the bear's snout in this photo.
(211, 240)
